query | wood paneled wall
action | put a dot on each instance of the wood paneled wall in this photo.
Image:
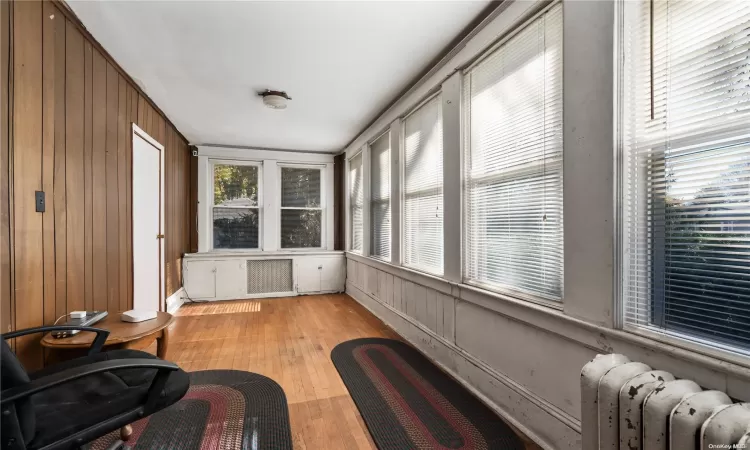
(66, 125)
(339, 200)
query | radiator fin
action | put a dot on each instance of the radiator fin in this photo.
(727, 425)
(269, 276)
(657, 408)
(688, 416)
(632, 395)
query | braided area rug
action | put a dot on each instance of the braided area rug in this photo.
(409, 403)
(222, 410)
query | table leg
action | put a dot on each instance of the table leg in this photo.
(126, 432)
(161, 343)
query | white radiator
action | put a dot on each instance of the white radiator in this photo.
(269, 276)
(629, 406)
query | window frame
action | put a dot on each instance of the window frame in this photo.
(349, 205)
(323, 206)
(730, 135)
(212, 163)
(509, 174)
(384, 134)
(436, 94)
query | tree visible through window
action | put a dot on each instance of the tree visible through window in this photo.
(236, 213)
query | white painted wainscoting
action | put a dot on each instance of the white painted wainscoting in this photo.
(523, 359)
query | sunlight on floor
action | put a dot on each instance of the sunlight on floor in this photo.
(203, 309)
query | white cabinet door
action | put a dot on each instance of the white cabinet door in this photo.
(316, 274)
(231, 279)
(308, 275)
(200, 279)
(332, 277)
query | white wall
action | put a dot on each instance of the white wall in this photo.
(270, 190)
(524, 357)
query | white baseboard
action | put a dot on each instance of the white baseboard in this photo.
(525, 410)
(176, 300)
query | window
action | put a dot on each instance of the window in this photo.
(380, 197)
(301, 207)
(685, 170)
(514, 163)
(423, 188)
(356, 204)
(235, 210)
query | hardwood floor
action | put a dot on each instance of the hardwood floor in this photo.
(289, 340)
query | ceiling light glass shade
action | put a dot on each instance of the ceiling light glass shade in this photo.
(274, 101)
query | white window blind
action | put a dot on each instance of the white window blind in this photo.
(685, 207)
(356, 203)
(380, 197)
(423, 188)
(513, 161)
(301, 207)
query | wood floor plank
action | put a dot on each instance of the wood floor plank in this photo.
(288, 340)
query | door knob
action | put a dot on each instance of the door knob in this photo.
(159, 236)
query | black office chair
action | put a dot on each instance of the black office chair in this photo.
(67, 405)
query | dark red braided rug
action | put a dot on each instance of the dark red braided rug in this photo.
(222, 410)
(409, 403)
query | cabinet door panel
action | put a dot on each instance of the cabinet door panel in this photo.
(200, 279)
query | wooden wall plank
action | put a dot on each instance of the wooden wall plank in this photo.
(60, 210)
(168, 213)
(193, 204)
(99, 181)
(74, 167)
(88, 54)
(27, 168)
(142, 113)
(133, 118)
(181, 208)
(339, 199)
(122, 146)
(6, 84)
(52, 25)
(113, 242)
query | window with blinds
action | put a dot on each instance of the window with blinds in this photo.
(423, 188)
(513, 162)
(685, 170)
(356, 204)
(380, 197)
(301, 207)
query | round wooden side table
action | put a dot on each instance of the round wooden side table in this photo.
(122, 335)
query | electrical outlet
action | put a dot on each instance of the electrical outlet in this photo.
(39, 201)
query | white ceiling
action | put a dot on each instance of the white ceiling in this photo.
(341, 62)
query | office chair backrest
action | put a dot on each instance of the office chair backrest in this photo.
(13, 374)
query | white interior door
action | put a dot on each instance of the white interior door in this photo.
(148, 222)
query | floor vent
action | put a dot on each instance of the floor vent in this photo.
(269, 276)
(628, 405)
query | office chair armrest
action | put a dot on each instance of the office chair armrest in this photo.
(96, 345)
(40, 384)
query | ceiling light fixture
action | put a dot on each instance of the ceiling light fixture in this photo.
(274, 99)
